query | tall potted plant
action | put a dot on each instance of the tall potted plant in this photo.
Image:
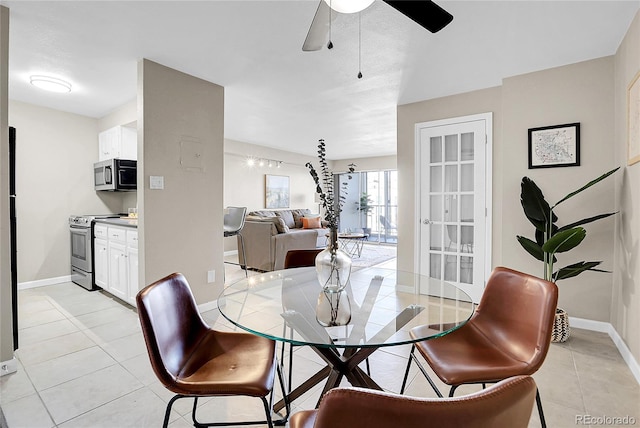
(551, 239)
(364, 206)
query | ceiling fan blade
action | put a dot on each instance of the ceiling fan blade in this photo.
(319, 30)
(424, 12)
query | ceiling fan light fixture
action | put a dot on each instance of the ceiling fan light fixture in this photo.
(348, 6)
(51, 84)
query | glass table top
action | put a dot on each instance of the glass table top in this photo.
(385, 304)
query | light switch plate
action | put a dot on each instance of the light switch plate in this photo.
(211, 276)
(156, 182)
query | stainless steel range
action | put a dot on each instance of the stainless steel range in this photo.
(81, 228)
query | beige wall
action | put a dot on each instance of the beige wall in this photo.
(54, 179)
(576, 93)
(625, 307)
(245, 186)
(582, 93)
(180, 227)
(483, 101)
(377, 163)
(126, 114)
(6, 326)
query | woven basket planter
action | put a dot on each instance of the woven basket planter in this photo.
(561, 329)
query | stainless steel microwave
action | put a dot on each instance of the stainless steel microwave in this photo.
(116, 175)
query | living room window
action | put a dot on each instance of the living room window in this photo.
(370, 204)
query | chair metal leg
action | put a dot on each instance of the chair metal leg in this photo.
(406, 372)
(540, 412)
(452, 390)
(167, 412)
(267, 411)
(244, 256)
(285, 397)
(290, 367)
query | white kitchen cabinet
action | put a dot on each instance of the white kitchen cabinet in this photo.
(101, 262)
(119, 142)
(132, 264)
(100, 256)
(116, 261)
(118, 270)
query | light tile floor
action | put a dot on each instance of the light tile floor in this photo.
(82, 363)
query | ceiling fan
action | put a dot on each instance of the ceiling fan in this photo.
(425, 12)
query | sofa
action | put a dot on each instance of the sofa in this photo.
(269, 234)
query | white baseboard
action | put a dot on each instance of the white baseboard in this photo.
(230, 253)
(605, 327)
(43, 282)
(208, 306)
(8, 367)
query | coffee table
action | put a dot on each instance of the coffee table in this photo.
(385, 305)
(352, 242)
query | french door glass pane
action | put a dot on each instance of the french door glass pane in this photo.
(436, 179)
(436, 237)
(451, 148)
(451, 178)
(466, 239)
(436, 149)
(466, 145)
(435, 270)
(466, 208)
(466, 177)
(450, 268)
(466, 269)
(450, 208)
(435, 208)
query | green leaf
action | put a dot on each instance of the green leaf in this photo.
(535, 207)
(576, 269)
(586, 186)
(586, 220)
(531, 247)
(565, 240)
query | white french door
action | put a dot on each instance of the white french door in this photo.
(453, 158)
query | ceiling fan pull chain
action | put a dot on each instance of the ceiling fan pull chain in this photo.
(330, 44)
(359, 45)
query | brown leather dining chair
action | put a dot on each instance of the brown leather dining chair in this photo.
(505, 404)
(508, 335)
(295, 259)
(301, 258)
(192, 360)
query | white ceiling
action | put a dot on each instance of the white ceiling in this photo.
(275, 94)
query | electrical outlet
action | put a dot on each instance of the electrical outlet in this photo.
(8, 367)
(211, 276)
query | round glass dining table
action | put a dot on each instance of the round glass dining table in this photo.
(377, 309)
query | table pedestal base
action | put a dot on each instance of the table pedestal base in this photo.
(338, 366)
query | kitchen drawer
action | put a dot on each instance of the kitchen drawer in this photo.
(132, 238)
(100, 231)
(117, 234)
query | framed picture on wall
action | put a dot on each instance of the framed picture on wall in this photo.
(276, 191)
(633, 121)
(554, 146)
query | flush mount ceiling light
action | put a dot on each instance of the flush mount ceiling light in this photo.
(348, 6)
(50, 83)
